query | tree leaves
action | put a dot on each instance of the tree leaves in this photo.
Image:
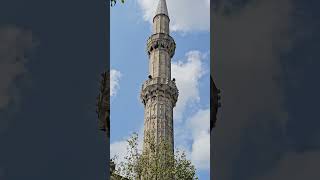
(157, 161)
(114, 2)
(103, 103)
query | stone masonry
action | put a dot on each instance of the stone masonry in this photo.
(159, 93)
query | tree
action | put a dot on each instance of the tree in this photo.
(103, 103)
(155, 162)
(114, 2)
(103, 100)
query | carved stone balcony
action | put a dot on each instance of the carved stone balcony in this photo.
(161, 41)
(159, 87)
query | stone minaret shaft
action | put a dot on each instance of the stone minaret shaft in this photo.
(159, 93)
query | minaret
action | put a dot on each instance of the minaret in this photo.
(159, 93)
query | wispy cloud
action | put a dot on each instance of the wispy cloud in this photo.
(191, 132)
(193, 136)
(118, 149)
(185, 15)
(115, 76)
(188, 73)
(199, 125)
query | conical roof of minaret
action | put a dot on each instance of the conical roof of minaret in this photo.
(162, 8)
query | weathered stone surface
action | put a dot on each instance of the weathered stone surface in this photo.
(161, 41)
(159, 94)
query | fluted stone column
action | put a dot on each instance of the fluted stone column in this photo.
(159, 93)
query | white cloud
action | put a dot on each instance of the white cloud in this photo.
(187, 74)
(195, 129)
(115, 76)
(199, 126)
(193, 137)
(191, 133)
(119, 149)
(185, 15)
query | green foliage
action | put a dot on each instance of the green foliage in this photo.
(183, 167)
(156, 162)
(103, 104)
(114, 2)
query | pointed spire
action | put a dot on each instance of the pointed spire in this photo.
(162, 8)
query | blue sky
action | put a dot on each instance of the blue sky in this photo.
(266, 65)
(130, 28)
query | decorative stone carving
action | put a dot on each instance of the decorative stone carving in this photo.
(157, 88)
(154, 109)
(161, 109)
(161, 41)
(159, 93)
(168, 112)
